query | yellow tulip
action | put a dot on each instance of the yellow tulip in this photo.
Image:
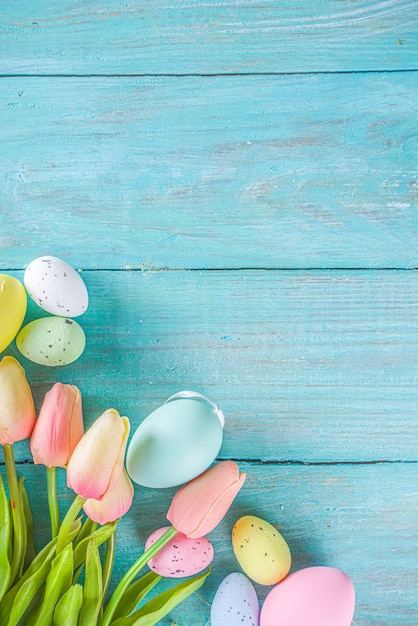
(17, 410)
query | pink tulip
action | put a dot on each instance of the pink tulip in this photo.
(97, 461)
(114, 504)
(201, 504)
(59, 426)
(17, 410)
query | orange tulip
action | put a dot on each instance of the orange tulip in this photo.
(97, 461)
(59, 426)
(114, 504)
(201, 504)
(17, 410)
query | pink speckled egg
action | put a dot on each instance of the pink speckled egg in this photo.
(181, 556)
(318, 596)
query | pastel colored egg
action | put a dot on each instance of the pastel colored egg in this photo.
(181, 556)
(260, 549)
(318, 596)
(176, 442)
(51, 341)
(56, 286)
(235, 603)
(12, 308)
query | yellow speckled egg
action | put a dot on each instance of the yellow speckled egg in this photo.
(260, 549)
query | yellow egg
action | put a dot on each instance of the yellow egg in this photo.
(260, 549)
(12, 308)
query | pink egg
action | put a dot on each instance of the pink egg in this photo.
(181, 556)
(318, 596)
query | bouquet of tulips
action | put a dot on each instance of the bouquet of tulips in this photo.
(66, 582)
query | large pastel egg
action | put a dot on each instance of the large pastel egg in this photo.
(56, 286)
(235, 603)
(51, 341)
(181, 556)
(176, 442)
(12, 308)
(260, 550)
(318, 596)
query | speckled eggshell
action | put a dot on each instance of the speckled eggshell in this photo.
(56, 286)
(181, 556)
(235, 603)
(318, 596)
(260, 549)
(51, 341)
(12, 308)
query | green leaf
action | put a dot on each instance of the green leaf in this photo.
(100, 535)
(68, 608)
(45, 555)
(27, 593)
(58, 581)
(86, 530)
(92, 601)
(30, 541)
(135, 593)
(157, 608)
(5, 538)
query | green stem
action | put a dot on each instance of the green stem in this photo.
(108, 564)
(132, 572)
(19, 541)
(51, 477)
(68, 521)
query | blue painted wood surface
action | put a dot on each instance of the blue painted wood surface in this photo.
(279, 195)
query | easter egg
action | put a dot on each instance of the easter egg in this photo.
(56, 286)
(176, 442)
(181, 556)
(318, 596)
(260, 549)
(51, 341)
(235, 603)
(12, 308)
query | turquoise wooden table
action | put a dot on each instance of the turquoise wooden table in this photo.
(237, 182)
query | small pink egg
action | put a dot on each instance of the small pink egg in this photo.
(318, 596)
(181, 556)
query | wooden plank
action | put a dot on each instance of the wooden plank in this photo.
(312, 171)
(359, 518)
(161, 37)
(307, 366)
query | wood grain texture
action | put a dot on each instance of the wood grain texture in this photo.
(317, 366)
(281, 172)
(159, 37)
(359, 518)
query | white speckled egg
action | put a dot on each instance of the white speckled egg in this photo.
(181, 556)
(56, 286)
(235, 603)
(176, 442)
(260, 550)
(51, 341)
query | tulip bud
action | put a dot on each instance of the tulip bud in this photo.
(201, 504)
(17, 410)
(59, 426)
(114, 504)
(97, 461)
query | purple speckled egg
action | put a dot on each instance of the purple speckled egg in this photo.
(181, 556)
(235, 603)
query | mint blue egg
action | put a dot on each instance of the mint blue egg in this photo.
(176, 442)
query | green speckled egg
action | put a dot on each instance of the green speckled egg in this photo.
(51, 341)
(261, 551)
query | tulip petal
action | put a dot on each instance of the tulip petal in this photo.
(17, 410)
(200, 505)
(114, 504)
(97, 461)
